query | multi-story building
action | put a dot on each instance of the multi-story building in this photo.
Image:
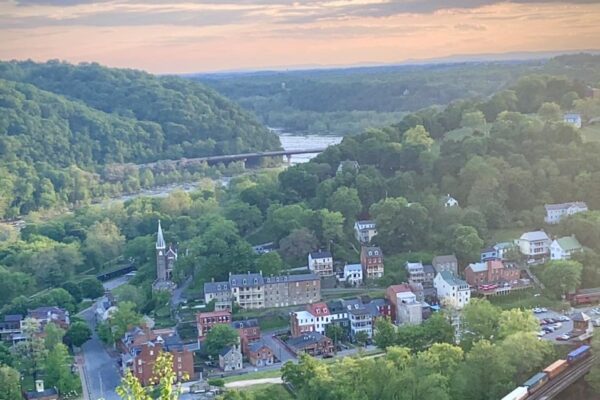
(248, 290)
(371, 259)
(292, 290)
(231, 359)
(320, 263)
(416, 273)
(141, 348)
(302, 322)
(252, 291)
(392, 295)
(220, 292)
(360, 321)
(260, 354)
(352, 274)
(491, 272)
(534, 244)
(45, 315)
(452, 291)
(555, 212)
(313, 344)
(205, 321)
(445, 263)
(409, 310)
(248, 330)
(321, 315)
(364, 231)
(563, 248)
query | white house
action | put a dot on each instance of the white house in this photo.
(573, 119)
(555, 212)
(416, 272)
(353, 274)
(364, 231)
(321, 263)
(449, 201)
(563, 248)
(360, 321)
(534, 244)
(452, 290)
(302, 322)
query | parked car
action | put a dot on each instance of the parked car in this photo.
(566, 336)
(557, 325)
(544, 309)
(564, 318)
(548, 329)
(541, 333)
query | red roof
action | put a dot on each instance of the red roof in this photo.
(399, 288)
(321, 307)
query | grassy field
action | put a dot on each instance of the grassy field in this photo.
(269, 391)
(253, 375)
(526, 299)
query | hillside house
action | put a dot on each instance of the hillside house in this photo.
(451, 290)
(556, 212)
(534, 245)
(371, 260)
(320, 263)
(563, 248)
(364, 231)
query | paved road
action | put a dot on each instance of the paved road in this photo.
(101, 375)
(252, 382)
(100, 369)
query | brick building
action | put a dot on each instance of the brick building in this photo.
(249, 332)
(205, 321)
(371, 259)
(490, 272)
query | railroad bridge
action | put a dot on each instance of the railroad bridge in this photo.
(183, 162)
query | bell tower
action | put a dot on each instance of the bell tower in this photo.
(161, 259)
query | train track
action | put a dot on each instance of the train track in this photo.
(564, 380)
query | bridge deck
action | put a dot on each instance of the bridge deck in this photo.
(564, 380)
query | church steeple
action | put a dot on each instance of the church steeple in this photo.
(160, 240)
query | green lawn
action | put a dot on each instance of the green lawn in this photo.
(273, 322)
(253, 375)
(269, 391)
(525, 299)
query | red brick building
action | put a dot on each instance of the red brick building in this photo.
(141, 348)
(371, 260)
(260, 355)
(490, 272)
(313, 344)
(205, 321)
(249, 332)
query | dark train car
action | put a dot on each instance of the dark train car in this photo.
(536, 382)
(585, 296)
(578, 354)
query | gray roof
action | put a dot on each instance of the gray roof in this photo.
(291, 278)
(580, 317)
(160, 240)
(534, 236)
(216, 287)
(320, 254)
(428, 269)
(247, 323)
(13, 317)
(564, 206)
(453, 280)
(225, 351)
(238, 280)
(336, 307)
(256, 346)
(360, 311)
(451, 258)
(38, 395)
(478, 267)
(373, 249)
(307, 339)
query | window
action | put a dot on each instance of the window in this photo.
(139, 362)
(151, 352)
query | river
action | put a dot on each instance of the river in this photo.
(289, 141)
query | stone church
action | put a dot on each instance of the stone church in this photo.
(165, 261)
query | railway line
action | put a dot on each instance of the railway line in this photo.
(564, 380)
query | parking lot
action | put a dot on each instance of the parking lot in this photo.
(566, 326)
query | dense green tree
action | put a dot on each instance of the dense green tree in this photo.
(91, 288)
(480, 321)
(77, 334)
(9, 383)
(103, 243)
(53, 335)
(132, 294)
(220, 337)
(465, 243)
(122, 319)
(385, 333)
(346, 201)
(270, 263)
(297, 245)
(57, 370)
(561, 277)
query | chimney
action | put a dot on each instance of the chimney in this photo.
(39, 386)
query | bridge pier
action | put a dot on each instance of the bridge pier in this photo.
(288, 159)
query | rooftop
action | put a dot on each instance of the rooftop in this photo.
(400, 288)
(213, 314)
(38, 395)
(534, 236)
(568, 243)
(564, 206)
(416, 266)
(216, 287)
(428, 268)
(249, 279)
(580, 317)
(291, 278)
(320, 254)
(453, 280)
(372, 250)
(247, 323)
(352, 267)
(256, 346)
(305, 340)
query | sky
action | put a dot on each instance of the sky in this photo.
(184, 36)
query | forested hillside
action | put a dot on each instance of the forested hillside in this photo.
(60, 122)
(345, 101)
